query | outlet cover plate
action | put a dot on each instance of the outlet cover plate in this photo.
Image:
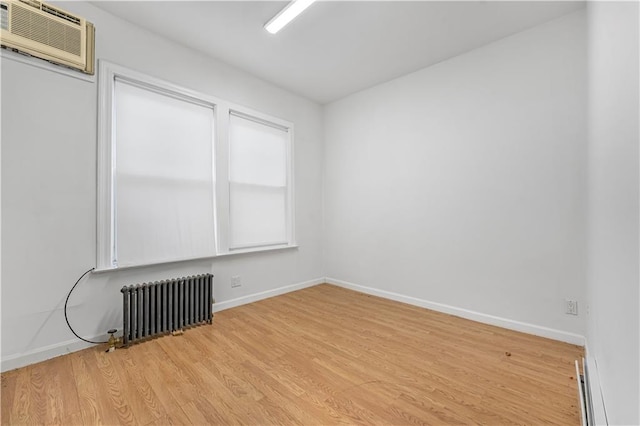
(571, 307)
(235, 281)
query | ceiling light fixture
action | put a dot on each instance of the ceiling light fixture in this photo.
(287, 14)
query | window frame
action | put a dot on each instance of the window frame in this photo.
(266, 120)
(105, 232)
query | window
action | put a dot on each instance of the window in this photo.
(258, 182)
(157, 174)
(163, 193)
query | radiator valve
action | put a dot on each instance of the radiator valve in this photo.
(113, 340)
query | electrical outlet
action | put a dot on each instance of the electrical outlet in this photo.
(235, 281)
(571, 307)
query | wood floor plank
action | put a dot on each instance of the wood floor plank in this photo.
(112, 381)
(72, 419)
(41, 401)
(7, 395)
(90, 412)
(23, 410)
(322, 355)
(284, 393)
(142, 398)
(61, 389)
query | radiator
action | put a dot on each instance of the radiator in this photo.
(152, 309)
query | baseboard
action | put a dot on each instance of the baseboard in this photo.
(42, 354)
(47, 352)
(250, 298)
(523, 327)
(597, 398)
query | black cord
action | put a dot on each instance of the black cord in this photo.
(65, 310)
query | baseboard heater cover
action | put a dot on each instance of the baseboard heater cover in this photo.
(161, 307)
(584, 394)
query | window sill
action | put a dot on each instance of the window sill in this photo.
(233, 253)
(258, 249)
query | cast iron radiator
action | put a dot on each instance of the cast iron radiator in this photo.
(152, 309)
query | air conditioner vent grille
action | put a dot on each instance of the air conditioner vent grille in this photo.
(46, 31)
(32, 3)
(61, 14)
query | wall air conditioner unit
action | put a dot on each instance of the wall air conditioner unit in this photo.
(47, 32)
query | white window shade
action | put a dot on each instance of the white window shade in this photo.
(258, 152)
(258, 215)
(259, 189)
(163, 206)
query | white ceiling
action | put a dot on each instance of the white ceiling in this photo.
(336, 48)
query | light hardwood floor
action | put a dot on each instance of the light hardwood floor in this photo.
(322, 355)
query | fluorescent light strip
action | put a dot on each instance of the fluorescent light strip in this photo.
(287, 14)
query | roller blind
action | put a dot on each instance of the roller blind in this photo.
(258, 182)
(163, 206)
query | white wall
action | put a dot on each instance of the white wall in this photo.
(613, 256)
(464, 183)
(49, 190)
